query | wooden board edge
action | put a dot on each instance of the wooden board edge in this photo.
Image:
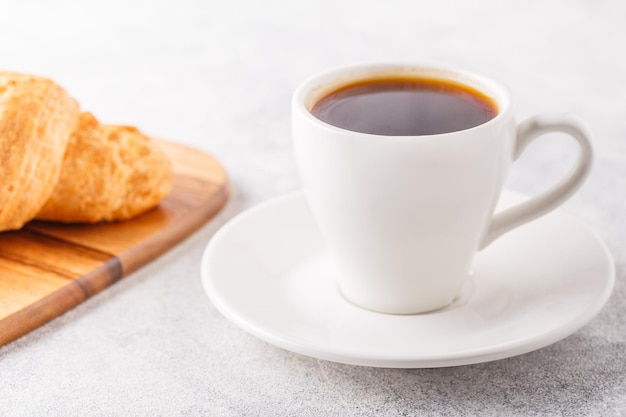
(39, 313)
(139, 255)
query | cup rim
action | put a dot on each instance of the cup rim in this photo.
(331, 79)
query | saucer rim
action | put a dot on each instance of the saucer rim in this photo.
(515, 347)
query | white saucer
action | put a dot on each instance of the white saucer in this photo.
(267, 271)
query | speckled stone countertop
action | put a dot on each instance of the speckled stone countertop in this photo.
(219, 76)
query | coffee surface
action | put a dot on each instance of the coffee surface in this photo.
(405, 107)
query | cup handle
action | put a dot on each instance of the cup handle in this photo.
(537, 206)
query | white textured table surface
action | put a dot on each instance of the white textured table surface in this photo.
(219, 76)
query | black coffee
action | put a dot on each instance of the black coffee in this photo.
(405, 107)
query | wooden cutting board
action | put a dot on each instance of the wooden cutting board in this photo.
(48, 268)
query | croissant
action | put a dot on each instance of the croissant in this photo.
(59, 164)
(109, 173)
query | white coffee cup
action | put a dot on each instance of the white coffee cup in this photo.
(403, 216)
